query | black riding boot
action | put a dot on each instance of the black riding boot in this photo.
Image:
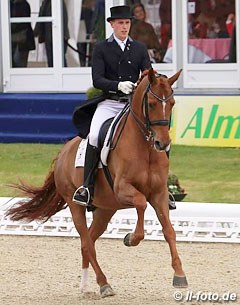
(171, 202)
(83, 195)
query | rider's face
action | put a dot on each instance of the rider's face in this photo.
(121, 28)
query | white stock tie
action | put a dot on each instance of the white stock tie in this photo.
(122, 45)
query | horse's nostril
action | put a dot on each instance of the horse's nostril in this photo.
(158, 145)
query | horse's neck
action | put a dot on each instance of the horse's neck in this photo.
(135, 132)
(132, 133)
(137, 101)
(134, 136)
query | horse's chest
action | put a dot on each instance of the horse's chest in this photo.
(145, 179)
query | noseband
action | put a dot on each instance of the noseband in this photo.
(145, 126)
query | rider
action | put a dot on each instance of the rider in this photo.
(116, 66)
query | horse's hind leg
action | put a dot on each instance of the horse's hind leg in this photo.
(179, 279)
(87, 245)
(99, 224)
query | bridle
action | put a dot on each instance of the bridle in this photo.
(148, 122)
(145, 126)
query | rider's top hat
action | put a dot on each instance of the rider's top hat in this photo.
(120, 12)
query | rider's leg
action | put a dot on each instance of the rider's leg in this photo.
(105, 110)
(84, 193)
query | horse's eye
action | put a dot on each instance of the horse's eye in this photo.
(151, 106)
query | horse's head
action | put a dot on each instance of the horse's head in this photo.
(156, 93)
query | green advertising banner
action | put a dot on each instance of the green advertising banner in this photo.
(206, 121)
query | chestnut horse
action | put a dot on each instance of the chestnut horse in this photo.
(139, 167)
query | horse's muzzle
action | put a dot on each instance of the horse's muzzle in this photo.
(160, 146)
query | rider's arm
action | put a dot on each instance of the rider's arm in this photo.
(98, 71)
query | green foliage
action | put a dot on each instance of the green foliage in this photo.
(93, 92)
(174, 184)
(207, 174)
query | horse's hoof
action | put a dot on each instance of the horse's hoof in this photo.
(84, 289)
(106, 291)
(127, 240)
(180, 281)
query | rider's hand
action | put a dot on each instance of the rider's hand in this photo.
(126, 87)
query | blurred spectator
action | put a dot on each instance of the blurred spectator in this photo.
(230, 22)
(165, 14)
(212, 19)
(144, 32)
(98, 22)
(87, 14)
(86, 29)
(217, 32)
(232, 51)
(193, 12)
(132, 2)
(21, 34)
(43, 30)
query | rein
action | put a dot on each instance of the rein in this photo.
(145, 127)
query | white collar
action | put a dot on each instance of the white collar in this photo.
(120, 42)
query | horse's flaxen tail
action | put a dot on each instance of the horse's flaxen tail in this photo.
(42, 204)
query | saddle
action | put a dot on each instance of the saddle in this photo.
(105, 140)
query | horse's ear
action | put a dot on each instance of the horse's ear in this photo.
(151, 75)
(173, 78)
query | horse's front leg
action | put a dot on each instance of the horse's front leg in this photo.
(160, 204)
(129, 195)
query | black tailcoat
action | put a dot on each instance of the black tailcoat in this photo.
(111, 65)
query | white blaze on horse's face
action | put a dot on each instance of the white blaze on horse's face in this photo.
(160, 103)
(164, 109)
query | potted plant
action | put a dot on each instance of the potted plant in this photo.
(174, 187)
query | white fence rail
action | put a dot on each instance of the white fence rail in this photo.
(200, 222)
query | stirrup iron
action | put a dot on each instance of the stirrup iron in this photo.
(80, 202)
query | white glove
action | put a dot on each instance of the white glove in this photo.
(126, 87)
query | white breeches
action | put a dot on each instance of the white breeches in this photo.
(105, 110)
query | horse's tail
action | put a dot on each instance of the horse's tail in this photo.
(43, 201)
